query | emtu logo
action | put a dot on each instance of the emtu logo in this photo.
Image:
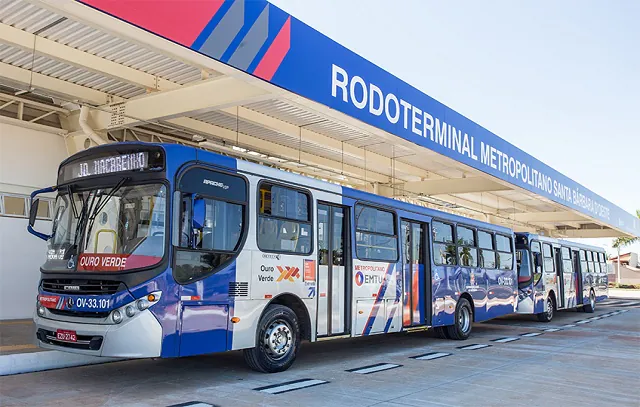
(288, 273)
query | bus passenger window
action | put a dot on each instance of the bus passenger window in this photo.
(444, 249)
(547, 253)
(603, 264)
(536, 253)
(376, 237)
(505, 252)
(487, 253)
(583, 261)
(567, 264)
(284, 220)
(467, 253)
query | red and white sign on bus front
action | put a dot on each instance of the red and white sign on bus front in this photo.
(102, 262)
(114, 262)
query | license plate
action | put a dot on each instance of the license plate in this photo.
(66, 336)
(87, 303)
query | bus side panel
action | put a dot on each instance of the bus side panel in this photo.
(204, 312)
(501, 293)
(377, 292)
(243, 333)
(272, 274)
(444, 294)
(204, 329)
(166, 310)
(475, 281)
(603, 294)
(587, 284)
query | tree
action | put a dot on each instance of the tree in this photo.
(626, 241)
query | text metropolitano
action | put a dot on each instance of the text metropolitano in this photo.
(369, 97)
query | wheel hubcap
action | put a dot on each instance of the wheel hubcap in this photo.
(549, 309)
(464, 319)
(592, 300)
(278, 339)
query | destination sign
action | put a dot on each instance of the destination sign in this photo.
(107, 164)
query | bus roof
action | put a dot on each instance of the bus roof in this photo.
(563, 242)
(309, 182)
(301, 180)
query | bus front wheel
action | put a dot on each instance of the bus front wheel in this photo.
(277, 342)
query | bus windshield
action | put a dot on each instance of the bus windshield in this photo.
(108, 229)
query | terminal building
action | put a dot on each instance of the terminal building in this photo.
(248, 80)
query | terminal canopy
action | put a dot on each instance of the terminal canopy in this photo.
(246, 79)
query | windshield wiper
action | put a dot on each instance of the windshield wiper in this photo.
(79, 225)
(99, 205)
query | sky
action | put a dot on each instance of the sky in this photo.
(557, 79)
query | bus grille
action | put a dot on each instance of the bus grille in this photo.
(82, 287)
(238, 289)
(79, 314)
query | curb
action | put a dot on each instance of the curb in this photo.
(47, 360)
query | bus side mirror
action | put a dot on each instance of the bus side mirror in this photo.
(33, 212)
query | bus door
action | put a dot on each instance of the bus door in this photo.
(209, 224)
(571, 295)
(562, 298)
(569, 278)
(333, 262)
(578, 276)
(416, 285)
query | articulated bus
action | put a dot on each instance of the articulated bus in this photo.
(163, 250)
(555, 274)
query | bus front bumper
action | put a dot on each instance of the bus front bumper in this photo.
(139, 337)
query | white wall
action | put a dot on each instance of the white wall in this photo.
(29, 160)
(633, 260)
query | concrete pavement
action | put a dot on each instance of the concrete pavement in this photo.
(570, 362)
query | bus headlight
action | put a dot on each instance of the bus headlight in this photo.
(142, 304)
(130, 311)
(148, 300)
(40, 309)
(116, 316)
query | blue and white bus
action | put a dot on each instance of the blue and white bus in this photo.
(556, 274)
(163, 250)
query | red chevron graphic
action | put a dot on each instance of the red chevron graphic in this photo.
(275, 54)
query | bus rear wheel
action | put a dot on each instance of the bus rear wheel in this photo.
(277, 342)
(461, 329)
(591, 307)
(547, 316)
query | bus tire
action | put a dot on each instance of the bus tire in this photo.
(277, 341)
(463, 321)
(591, 306)
(441, 332)
(547, 316)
